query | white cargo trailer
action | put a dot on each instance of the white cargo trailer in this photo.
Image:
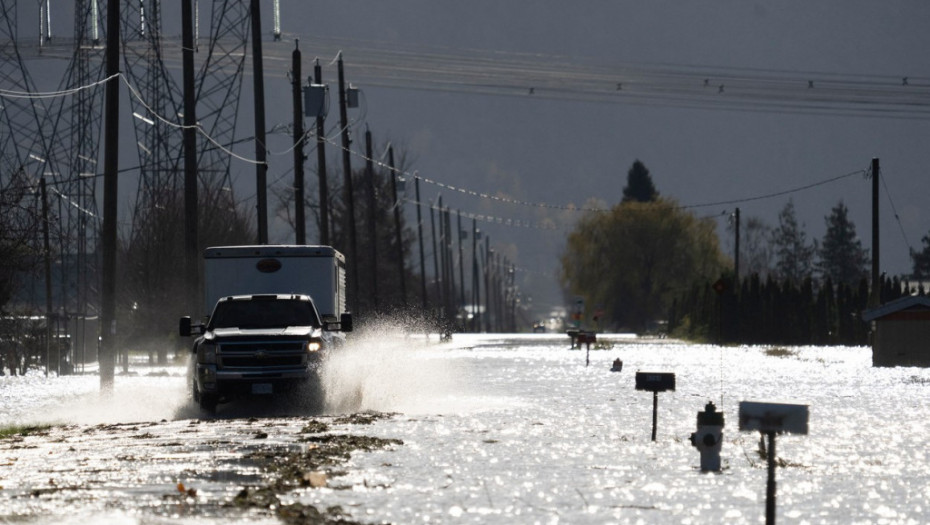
(317, 271)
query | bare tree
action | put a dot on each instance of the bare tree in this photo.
(19, 227)
(152, 261)
(755, 249)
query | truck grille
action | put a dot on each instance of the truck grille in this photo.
(262, 354)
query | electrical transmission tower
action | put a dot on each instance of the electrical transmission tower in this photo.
(54, 138)
(57, 137)
(152, 66)
(153, 69)
(72, 125)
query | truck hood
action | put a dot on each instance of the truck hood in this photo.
(288, 331)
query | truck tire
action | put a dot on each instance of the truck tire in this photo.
(208, 402)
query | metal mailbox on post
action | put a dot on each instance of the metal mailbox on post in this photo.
(655, 382)
(771, 419)
(779, 418)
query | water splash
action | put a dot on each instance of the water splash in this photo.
(385, 367)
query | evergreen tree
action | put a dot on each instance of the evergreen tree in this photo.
(639, 186)
(842, 256)
(794, 255)
(921, 259)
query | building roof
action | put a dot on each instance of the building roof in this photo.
(910, 302)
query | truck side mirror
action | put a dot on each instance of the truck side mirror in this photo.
(345, 322)
(184, 326)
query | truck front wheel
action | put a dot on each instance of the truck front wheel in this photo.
(208, 402)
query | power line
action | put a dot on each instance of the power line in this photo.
(778, 193)
(706, 87)
(894, 210)
(764, 89)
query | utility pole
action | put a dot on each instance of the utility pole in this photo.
(48, 277)
(261, 165)
(443, 282)
(110, 190)
(513, 298)
(348, 193)
(372, 230)
(736, 251)
(190, 161)
(321, 162)
(397, 232)
(461, 262)
(432, 222)
(475, 284)
(487, 282)
(875, 298)
(449, 268)
(299, 219)
(736, 284)
(423, 295)
(495, 286)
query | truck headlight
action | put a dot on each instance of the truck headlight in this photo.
(313, 346)
(206, 354)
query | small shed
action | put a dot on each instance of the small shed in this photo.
(901, 332)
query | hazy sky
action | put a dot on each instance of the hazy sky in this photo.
(560, 151)
(553, 148)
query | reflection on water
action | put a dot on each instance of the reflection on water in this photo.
(518, 429)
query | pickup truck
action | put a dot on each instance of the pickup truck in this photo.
(258, 345)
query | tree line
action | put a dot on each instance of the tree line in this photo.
(647, 261)
(766, 311)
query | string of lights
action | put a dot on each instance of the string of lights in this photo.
(518, 202)
(487, 218)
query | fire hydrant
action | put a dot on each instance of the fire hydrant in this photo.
(709, 437)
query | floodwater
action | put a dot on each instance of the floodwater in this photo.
(489, 429)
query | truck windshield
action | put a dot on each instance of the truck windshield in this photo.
(257, 314)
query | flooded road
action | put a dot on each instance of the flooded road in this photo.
(186, 471)
(482, 429)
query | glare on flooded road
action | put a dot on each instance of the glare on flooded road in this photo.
(482, 429)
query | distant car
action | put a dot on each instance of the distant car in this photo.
(539, 327)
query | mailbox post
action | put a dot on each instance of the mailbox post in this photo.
(587, 338)
(655, 382)
(771, 419)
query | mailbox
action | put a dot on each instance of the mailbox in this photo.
(655, 381)
(586, 337)
(773, 417)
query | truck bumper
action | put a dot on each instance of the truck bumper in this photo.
(233, 383)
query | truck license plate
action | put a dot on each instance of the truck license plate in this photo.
(261, 388)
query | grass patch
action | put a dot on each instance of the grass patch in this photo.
(22, 431)
(779, 352)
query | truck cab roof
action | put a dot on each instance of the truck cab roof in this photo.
(276, 311)
(271, 250)
(268, 297)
